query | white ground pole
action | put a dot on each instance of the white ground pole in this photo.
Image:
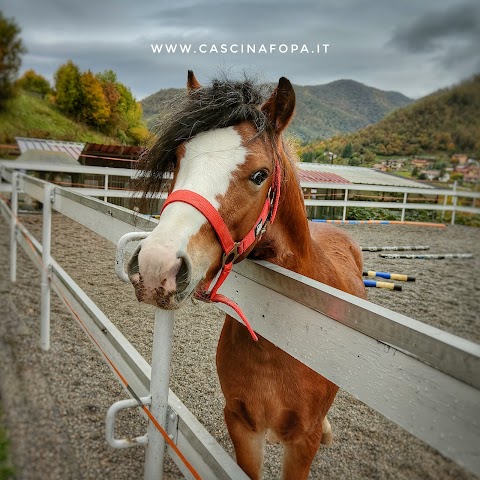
(13, 228)
(161, 357)
(48, 192)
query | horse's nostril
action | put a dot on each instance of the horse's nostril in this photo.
(184, 274)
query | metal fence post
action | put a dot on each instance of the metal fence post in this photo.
(48, 192)
(344, 216)
(159, 387)
(455, 198)
(445, 199)
(105, 187)
(13, 227)
(404, 205)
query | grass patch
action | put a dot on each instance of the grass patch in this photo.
(404, 174)
(6, 470)
(29, 116)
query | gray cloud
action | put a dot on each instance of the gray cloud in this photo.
(376, 42)
(448, 39)
(431, 31)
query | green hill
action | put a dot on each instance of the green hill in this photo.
(322, 110)
(340, 107)
(30, 116)
(446, 121)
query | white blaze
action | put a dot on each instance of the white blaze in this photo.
(207, 168)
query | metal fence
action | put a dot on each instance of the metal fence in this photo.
(424, 379)
(445, 200)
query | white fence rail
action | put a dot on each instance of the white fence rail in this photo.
(404, 205)
(201, 449)
(107, 191)
(424, 379)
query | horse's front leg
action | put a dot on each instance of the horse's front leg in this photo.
(247, 439)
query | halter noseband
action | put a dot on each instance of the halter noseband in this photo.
(231, 250)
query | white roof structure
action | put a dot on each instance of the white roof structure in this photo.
(358, 175)
(74, 149)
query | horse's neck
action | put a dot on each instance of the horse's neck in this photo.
(288, 242)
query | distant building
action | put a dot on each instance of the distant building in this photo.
(53, 151)
(431, 174)
(460, 158)
(394, 163)
(330, 155)
(422, 162)
(471, 173)
(381, 167)
(112, 156)
(445, 178)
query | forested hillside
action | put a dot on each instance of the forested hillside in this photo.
(322, 110)
(447, 121)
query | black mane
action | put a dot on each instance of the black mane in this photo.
(222, 104)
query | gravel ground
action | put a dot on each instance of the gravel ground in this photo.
(55, 402)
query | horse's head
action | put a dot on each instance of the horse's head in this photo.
(222, 143)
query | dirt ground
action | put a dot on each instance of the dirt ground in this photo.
(55, 403)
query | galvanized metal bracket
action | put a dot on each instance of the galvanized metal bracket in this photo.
(172, 424)
(120, 253)
(110, 424)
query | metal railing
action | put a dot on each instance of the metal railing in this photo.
(345, 190)
(450, 197)
(422, 378)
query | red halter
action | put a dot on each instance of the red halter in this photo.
(231, 250)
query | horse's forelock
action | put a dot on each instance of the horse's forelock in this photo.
(222, 104)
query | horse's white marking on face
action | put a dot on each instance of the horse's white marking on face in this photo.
(207, 167)
(209, 162)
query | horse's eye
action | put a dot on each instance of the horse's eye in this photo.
(259, 177)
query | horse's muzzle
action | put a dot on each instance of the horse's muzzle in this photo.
(160, 278)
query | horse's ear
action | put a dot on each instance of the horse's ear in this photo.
(192, 82)
(280, 106)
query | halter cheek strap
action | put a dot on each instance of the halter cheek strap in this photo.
(231, 250)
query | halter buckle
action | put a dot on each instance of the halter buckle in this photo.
(232, 255)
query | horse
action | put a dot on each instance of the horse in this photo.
(235, 193)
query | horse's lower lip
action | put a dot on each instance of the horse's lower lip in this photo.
(179, 299)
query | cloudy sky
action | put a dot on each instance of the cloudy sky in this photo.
(411, 46)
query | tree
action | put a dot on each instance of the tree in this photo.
(95, 108)
(108, 80)
(347, 151)
(68, 87)
(11, 47)
(31, 81)
(125, 118)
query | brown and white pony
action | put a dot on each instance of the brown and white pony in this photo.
(222, 142)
